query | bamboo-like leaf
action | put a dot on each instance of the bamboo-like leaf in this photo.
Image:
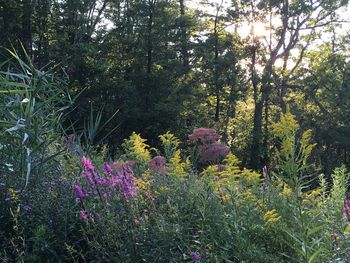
(314, 255)
(13, 91)
(13, 84)
(289, 257)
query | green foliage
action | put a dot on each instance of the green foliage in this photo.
(331, 209)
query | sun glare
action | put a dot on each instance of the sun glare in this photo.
(261, 30)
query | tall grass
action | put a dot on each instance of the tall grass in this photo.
(32, 104)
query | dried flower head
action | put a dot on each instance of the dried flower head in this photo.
(347, 208)
(213, 153)
(119, 164)
(158, 165)
(204, 136)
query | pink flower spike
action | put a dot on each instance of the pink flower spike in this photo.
(107, 169)
(264, 171)
(87, 164)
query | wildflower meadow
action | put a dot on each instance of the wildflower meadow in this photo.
(157, 132)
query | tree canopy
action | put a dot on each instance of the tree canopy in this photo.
(176, 65)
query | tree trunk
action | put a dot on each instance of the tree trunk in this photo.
(266, 91)
(149, 37)
(255, 155)
(26, 26)
(184, 42)
(265, 148)
(216, 69)
(282, 95)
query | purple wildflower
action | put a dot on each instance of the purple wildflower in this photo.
(83, 215)
(89, 178)
(127, 189)
(158, 165)
(195, 256)
(103, 181)
(87, 164)
(210, 149)
(107, 169)
(127, 182)
(79, 191)
(114, 180)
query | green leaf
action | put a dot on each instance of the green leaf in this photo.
(315, 254)
(315, 230)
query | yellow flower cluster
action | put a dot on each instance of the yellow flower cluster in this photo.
(249, 195)
(231, 173)
(314, 193)
(248, 198)
(305, 143)
(271, 217)
(177, 167)
(312, 197)
(144, 183)
(13, 195)
(286, 190)
(250, 177)
(137, 149)
(286, 126)
(71, 167)
(347, 230)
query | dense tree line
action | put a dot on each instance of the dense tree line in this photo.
(175, 65)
